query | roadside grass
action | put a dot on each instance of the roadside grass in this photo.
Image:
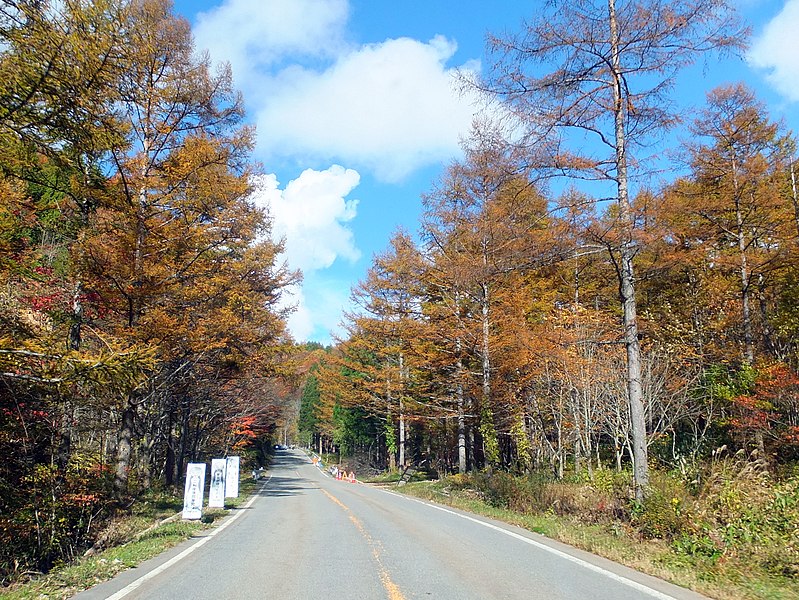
(724, 577)
(153, 526)
(393, 477)
(385, 478)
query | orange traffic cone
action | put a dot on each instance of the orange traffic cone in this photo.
(352, 477)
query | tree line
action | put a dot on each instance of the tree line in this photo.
(535, 323)
(139, 320)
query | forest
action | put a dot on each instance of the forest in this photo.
(499, 341)
(502, 335)
(139, 320)
(579, 303)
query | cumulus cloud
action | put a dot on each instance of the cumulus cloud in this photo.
(301, 320)
(776, 50)
(317, 310)
(390, 107)
(253, 35)
(312, 213)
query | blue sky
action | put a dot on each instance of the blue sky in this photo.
(357, 116)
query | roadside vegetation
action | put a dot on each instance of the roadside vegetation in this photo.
(729, 532)
(139, 287)
(152, 525)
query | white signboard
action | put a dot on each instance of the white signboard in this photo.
(232, 477)
(193, 492)
(216, 495)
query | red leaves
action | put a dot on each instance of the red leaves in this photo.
(44, 302)
(243, 426)
(81, 499)
(772, 408)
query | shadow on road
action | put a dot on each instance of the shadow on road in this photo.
(286, 486)
(286, 460)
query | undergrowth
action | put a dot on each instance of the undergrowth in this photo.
(151, 526)
(729, 531)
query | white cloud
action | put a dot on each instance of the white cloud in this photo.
(389, 107)
(301, 321)
(776, 50)
(317, 308)
(312, 213)
(254, 34)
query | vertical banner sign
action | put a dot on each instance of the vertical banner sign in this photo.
(232, 477)
(194, 491)
(216, 495)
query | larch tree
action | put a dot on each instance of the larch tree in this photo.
(737, 194)
(172, 255)
(606, 97)
(388, 309)
(446, 235)
(736, 210)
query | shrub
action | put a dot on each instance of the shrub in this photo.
(665, 513)
(740, 511)
(539, 493)
(52, 516)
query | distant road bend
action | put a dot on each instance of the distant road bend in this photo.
(306, 536)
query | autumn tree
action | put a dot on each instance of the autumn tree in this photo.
(732, 220)
(308, 417)
(179, 257)
(736, 195)
(606, 97)
(384, 326)
(60, 64)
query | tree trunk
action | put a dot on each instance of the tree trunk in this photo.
(64, 450)
(746, 309)
(124, 447)
(390, 441)
(402, 436)
(794, 195)
(626, 273)
(575, 413)
(460, 400)
(402, 433)
(146, 462)
(488, 429)
(461, 420)
(68, 415)
(74, 340)
(184, 440)
(169, 465)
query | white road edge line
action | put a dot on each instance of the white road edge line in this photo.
(619, 578)
(160, 569)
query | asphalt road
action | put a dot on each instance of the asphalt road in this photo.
(308, 536)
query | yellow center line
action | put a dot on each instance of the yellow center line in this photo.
(393, 590)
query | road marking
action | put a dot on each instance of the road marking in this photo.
(583, 563)
(392, 589)
(160, 569)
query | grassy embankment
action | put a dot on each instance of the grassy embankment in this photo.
(152, 526)
(731, 531)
